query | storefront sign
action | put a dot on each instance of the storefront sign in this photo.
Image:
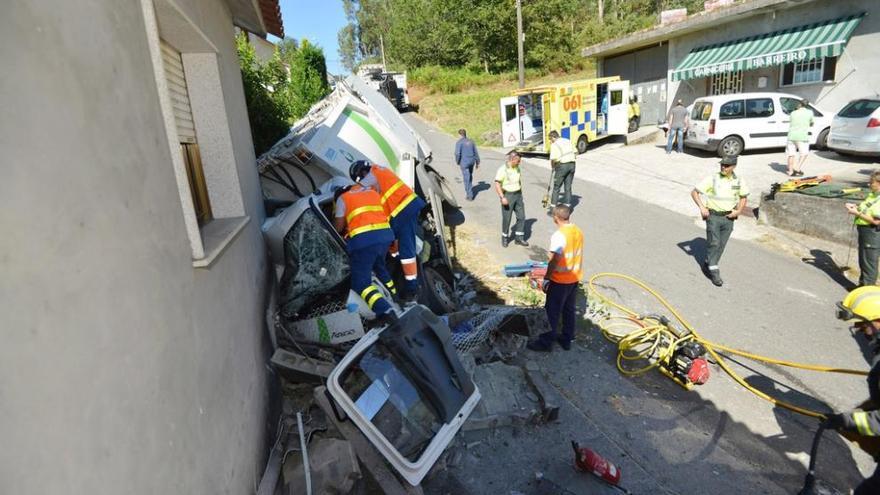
(752, 63)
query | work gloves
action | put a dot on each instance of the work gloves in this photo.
(834, 421)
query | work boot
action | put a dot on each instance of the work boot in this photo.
(505, 241)
(715, 275)
(538, 345)
(565, 344)
(520, 241)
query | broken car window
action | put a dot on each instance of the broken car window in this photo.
(386, 397)
(316, 269)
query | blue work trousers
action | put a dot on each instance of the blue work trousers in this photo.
(672, 135)
(467, 173)
(561, 300)
(364, 262)
(405, 226)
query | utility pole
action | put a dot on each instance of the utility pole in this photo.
(519, 44)
(382, 49)
(601, 11)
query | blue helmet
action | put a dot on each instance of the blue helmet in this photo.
(359, 169)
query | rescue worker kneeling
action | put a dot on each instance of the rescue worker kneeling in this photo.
(403, 207)
(862, 306)
(359, 216)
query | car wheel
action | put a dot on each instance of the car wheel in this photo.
(822, 140)
(443, 190)
(730, 146)
(582, 144)
(435, 292)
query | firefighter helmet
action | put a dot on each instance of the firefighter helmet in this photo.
(860, 304)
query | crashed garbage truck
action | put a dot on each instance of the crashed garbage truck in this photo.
(298, 175)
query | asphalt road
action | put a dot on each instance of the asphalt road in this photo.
(716, 439)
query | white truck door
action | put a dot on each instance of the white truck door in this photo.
(509, 121)
(618, 106)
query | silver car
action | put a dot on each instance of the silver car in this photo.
(855, 130)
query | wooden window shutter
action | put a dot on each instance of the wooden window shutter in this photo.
(174, 75)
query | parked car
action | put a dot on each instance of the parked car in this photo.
(855, 130)
(730, 124)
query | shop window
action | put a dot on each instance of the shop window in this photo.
(735, 109)
(808, 71)
(759, 107)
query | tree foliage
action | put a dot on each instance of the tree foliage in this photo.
(281, 90)
(481, 34)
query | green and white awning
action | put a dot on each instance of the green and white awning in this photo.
(813, 41)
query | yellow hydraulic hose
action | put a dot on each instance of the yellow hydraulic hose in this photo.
(646, 338)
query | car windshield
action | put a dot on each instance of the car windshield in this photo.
(389, 400)
(859, 109)
(702, 110)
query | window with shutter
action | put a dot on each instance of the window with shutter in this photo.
(186, 131)
(808, 71)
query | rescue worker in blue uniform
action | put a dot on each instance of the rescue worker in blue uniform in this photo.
(360, 218)
(403, 207)
(862, 306)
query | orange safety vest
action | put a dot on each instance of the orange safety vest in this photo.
(569, 270)
(363, 211)
(395, 194)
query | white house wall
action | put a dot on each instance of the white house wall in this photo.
(855, 74)
(124, 369)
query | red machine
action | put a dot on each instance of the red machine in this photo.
(589, 461)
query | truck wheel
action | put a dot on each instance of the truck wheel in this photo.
(582, 144)
(435, 292)
(730, 146)
(822, 140)
(438, 182)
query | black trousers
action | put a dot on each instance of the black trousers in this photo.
(871, 485)
(514, 205)
(718, 230)
(563, 175)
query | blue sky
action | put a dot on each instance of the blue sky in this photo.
(317, 21)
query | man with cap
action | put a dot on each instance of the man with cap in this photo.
(862, 308)
(360, 218)
(726, 195)
(403, 207)
(508, 185)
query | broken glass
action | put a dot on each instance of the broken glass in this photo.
(316, 269)
(389, 400)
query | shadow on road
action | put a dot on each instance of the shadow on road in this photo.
(696, 248)
(480, 187)
(779, 167)
(823, 261)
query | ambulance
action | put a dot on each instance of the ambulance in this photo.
(581, 111)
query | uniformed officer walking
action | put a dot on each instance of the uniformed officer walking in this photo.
(359, 216)
(564, 272)
(403, 207)
(726, 195)
(508, 185)
(562, 159)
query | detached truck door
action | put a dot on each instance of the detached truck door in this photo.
(509, 121)
(618, 106)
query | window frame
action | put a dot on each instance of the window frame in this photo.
(823, 65)
(722, 116)
(772, 108)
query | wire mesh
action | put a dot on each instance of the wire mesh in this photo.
(483, 324)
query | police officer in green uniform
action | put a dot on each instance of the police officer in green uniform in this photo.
(726, 195)
(508, 185)
(867, 220)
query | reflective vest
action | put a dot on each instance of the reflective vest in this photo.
(395, 194)
(569, 271)
(363, 211)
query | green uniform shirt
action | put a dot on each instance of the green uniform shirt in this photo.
(509, 177)
(870, 206)
(722, 193)
(801, 120)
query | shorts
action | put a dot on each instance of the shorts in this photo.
(797, 147)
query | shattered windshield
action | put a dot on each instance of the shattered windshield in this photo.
(386, 397)
(316, 270)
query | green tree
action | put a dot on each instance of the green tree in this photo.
(308, 79)
(268, 118)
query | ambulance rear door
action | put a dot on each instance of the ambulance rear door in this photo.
(547, 101)
(618, 106)
(510, 133)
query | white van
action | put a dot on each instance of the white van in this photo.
(730, 124)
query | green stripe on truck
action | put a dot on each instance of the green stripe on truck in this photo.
(376, 136)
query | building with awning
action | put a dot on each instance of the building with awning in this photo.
(822, 50)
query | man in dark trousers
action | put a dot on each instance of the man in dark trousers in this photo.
(562, 160)
(359, 217)
(508, 185)
(862, 306)
(561, 283)
(403, 207)
(468, 159)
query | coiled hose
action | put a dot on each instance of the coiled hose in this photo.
(652, 338)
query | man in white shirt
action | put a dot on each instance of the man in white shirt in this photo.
(562, 160)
